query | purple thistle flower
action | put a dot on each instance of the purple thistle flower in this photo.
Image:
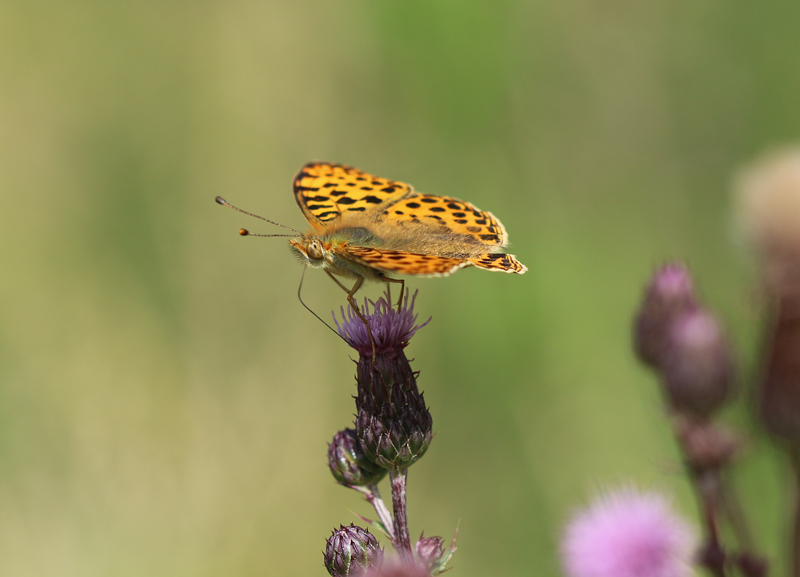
(394, 567)
(390, 328)
(628, 534)
(393, 423)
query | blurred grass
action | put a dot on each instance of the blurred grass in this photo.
(165, 402)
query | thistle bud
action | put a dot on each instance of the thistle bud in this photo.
(430, 550)
(348, 463)
(393, 423)
(669, 294)
(707, 446)
(350, 551)
(696, 366)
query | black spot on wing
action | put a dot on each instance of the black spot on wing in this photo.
(488, 237)
(328, 215)
(318, 206)
(306, 188)
(372, 199)
(437, 209)
(347, 201)
(358, 209)
(427, 199)
(412, 204)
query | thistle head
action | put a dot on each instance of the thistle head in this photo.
(348, 463)
(391, 329)
(393, 423)
(351, 551)
(628, 534)
(770, 210)
(685, 344)
(669, 294)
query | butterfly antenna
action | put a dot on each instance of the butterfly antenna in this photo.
(224, 202)
(300, 298)
(245, 232)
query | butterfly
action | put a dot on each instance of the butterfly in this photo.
(366, 227)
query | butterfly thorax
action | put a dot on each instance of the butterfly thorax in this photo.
(330, 251)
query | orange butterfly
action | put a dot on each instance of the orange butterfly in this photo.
(368, 227)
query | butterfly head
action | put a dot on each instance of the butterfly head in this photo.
(310, 250)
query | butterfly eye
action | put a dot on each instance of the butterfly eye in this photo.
(315, 250)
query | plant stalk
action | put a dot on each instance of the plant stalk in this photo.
(402, 539)
(373, 496)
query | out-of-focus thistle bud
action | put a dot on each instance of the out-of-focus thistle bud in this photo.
(430, 550)
(684, 343)
(348, 463)
(769, 194)
(669, 294)
(697, 367)
(393, 423)
(350, 551)
(707, 446)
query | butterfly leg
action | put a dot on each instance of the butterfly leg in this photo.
(350, 299)
(402, 288)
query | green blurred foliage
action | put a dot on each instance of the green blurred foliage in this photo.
(165, 401)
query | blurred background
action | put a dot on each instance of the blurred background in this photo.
(166, 402)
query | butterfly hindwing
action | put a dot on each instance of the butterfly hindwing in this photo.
(326, 191)
(449, 215)
(405, 262)
(499, 262)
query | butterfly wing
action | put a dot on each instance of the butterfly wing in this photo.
(450, 215)
(325, 191)
(402, 262)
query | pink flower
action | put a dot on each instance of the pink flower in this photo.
(628, 534)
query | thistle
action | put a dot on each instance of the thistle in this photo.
(393, 425)
(350, 551)
(348, 463)
(684, 343)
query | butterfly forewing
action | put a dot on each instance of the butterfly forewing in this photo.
(326, 191)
